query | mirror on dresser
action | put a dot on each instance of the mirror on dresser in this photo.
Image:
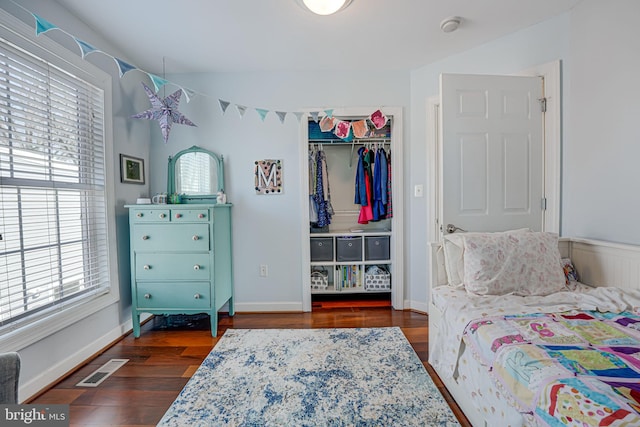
(196, 174)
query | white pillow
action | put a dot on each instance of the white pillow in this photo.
(513, 263)
(453, 247)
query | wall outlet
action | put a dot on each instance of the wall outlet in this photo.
(264, 270)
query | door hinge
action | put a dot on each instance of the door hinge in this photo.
(543, 104)
(543, 204)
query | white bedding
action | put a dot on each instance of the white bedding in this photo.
(459, 308)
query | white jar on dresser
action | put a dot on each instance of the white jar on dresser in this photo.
(181, 260)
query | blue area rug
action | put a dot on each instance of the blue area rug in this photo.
(311, 377)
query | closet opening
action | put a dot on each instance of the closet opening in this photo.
(350, 212)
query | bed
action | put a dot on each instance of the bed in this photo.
(547, 350)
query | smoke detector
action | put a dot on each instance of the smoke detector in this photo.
(450, 24)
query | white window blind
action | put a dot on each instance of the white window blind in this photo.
(53, 228)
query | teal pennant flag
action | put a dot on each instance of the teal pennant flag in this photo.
(85, 47)
(158, 82)
(42, 25)
(262, 112)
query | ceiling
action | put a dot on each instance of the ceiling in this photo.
(279, 35)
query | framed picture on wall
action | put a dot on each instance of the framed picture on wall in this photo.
(131, 170)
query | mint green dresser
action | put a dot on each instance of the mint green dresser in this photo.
(181, 261)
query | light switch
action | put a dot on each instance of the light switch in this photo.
(417, 190)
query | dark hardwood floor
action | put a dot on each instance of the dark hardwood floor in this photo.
(169, 351)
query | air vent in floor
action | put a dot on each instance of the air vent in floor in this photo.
(102, 373)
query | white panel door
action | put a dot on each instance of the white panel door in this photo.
(492, 153)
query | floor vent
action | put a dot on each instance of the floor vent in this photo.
(102, 373)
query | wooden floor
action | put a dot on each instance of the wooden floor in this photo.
(168, 352)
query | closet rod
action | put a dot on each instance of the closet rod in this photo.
(355, 141)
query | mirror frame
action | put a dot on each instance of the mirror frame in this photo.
(195, 198)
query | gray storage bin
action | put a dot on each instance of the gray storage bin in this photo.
(348, 248)
(376, 248)
(321, 249)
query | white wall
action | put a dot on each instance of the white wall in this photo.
(602, 135)
(48, 359)
(266, 229)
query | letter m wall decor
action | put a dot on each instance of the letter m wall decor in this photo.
(268, 176)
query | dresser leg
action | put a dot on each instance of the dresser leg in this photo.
(135, 319)
(231, 309)
(214, 324)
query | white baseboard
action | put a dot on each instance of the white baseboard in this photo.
(60, 369)
(268, 307)
(420, 306)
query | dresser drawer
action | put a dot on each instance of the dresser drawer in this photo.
(170, 237)
(189, 215)
(172, 266)
(149, 215)
(173, 295)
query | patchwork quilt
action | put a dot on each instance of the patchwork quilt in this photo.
(579, 368)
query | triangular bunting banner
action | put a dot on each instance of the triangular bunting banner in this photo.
(124, 67)
(281, 115)
(262, 112)
(158, 82)
(343, 129)
(223, 105)
(85, 47)
(42, 25)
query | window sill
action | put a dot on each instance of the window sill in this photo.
(34, 331)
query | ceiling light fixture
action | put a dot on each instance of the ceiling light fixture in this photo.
(325, 7)
(450, 24)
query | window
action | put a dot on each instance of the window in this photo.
(54, 244)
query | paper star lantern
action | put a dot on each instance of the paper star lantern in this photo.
(165, 111)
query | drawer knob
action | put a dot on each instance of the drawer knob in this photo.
(147, 296)
(178, 215)
(139, 214)
(197, 296)
(196, 267)
(147, 267)
(195, 238)
(162, 215)
(320, 244)
(200, 216)
(145, 237)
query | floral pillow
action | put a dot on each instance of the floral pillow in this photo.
(453, 246)
(515, 263)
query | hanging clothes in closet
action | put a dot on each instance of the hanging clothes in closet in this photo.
(373, 186)
(320, 208)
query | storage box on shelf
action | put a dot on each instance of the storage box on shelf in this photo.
(346, 262)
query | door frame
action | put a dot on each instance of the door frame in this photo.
(550, 73)
(397, 191)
